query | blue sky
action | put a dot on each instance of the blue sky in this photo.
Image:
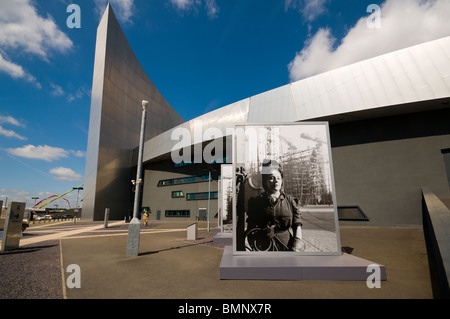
(201, 55)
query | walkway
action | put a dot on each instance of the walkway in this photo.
(171, 267)
(57, 230)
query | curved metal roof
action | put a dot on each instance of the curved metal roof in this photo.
(392, 83)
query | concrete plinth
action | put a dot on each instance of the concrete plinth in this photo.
(12, 229)
(192, 232)
(285, 267)
(223, 238)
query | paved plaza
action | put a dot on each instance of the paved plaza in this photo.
(171, 267)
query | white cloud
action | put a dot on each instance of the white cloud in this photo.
(65, 174)
(182, 4)
(22, 28)
(124, 9)
(44, 195)
(10, 133)
(57, 90)
(46, 153)
(80, 93)
(10, 120)
(211, 7)
(310, 9)
(78, 153)
(14, 195)
(403, 23)
(15, 71)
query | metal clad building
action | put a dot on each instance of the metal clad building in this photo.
(119, 86)
(388, 120)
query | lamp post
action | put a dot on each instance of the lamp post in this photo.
(209, 195)
(209, 168)
(135, 225)
(32, 212)
(76, 207)
(78, 195)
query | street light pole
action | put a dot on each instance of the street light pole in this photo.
(209, 168)
(76, 207)
(135, 225)
(209, 194)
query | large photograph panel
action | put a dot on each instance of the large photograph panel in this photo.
(284, 190)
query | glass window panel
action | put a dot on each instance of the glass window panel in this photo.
(178, 213)
(351, 213)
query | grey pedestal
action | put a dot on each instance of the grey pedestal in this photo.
(341, 267)
(192, 232)
(12, 229)
(223, 238)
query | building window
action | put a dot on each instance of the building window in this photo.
(178, 213)
(177, 194)
(351, 213)
(200, 196)
(182, 180)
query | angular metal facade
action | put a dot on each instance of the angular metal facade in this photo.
(388, 126)
(382, 86)
(388, 121)
(119, 86)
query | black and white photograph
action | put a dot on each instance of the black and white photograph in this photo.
(284, 190)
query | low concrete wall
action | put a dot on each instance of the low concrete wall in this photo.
(436, 226)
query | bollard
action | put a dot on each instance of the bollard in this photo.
(75, 212)
(192, 232)
(105, 225)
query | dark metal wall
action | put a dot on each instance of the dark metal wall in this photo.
(119, 86)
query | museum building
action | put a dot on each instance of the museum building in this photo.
(388, 120)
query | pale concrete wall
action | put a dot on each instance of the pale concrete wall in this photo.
(160, 198)
(382, 164)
